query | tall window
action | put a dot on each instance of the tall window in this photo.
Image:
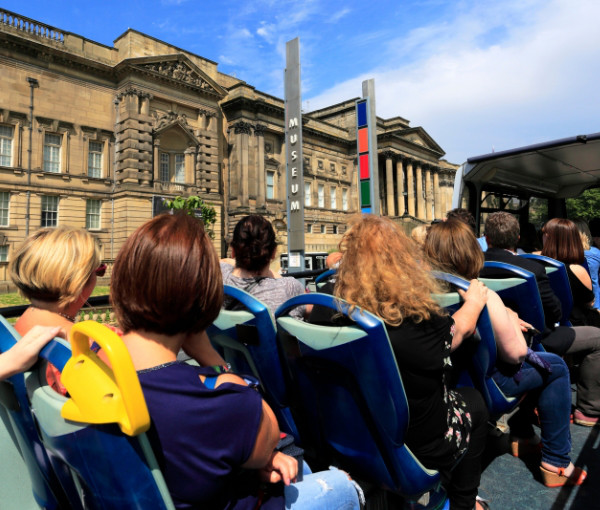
(179, 168)
(4, 208)
(270, 184)
(6, 138)
(49, 211)
(164, 167)
(333, 197)
(52, 153)
(307, 194)
(321, 195)
(4, 253)
(92, 214)
(95, 159)
(344, 199)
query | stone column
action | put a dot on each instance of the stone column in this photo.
(389, 184)
(428, 195)
(400, 183)
(259, 131)
(437, 209)
(156, 160)
(242, 131)
(419, 192)
(189, 164)
(410, 181)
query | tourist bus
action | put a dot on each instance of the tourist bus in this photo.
(532, 182)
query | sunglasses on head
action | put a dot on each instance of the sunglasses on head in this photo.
(100, 270)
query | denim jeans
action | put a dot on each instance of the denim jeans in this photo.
(551, 394)
(323, 490)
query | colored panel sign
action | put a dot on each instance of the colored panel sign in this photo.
(363, 162)
(363, 140)
(361, 113)
(366, 210)
(365, 193)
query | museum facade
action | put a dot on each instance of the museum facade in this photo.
(95, 136)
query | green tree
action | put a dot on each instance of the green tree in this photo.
(586, 206)
(192, 205)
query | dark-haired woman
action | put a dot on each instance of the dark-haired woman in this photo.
(254, 246)
(562, 241)
(215, 436)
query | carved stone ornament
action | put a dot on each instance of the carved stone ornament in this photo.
(132, 91)
(178, 71)
(207, 113)
(259, 129)
(164, 119)
(242, 127)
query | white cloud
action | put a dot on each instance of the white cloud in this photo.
(507, 74)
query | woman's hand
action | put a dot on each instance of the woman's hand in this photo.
(476, 294)
(280, 467)
(521, 324)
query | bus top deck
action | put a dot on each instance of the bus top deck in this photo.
(511, 180)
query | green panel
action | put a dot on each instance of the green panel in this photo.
(230, 318)
(501, 284)
(550, 269)
(365, 193)
(448, 299)
(320, 337)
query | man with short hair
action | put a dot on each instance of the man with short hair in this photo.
(502, 234)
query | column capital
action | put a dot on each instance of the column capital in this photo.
(259, 129)
(242, 127)
(388, 154)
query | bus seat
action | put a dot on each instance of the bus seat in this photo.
(22, 450)
(483, 359)
(246, 340)
(323, 278)
(559, 281)
(524, 296)
(348, 399)
(98, 433)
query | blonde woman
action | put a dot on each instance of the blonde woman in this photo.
(56, 270)
(379, 273)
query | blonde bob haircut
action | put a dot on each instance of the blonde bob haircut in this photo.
(379, 273)
(54, 264)
(452, 247)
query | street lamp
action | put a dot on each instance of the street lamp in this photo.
(33, 84)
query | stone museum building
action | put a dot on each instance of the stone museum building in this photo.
(94, 136)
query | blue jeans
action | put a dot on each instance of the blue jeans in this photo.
(551, 394)
(324, 490)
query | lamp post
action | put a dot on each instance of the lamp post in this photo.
(33, 84)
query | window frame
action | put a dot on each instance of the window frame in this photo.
(3, 252)
(333, 197)
(270, 186)
(9, 143)
(321, 195)
(307, 194)
(345, 205)
(44, 220)
(54, 149)
(95, 167)
(93, 214)
(4, 216)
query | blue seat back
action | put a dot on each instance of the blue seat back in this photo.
(348, 398)
(483, 360)
(323, 278)
(111, 470)
(19, 427)
(247, 340)
(524, 296)
(559, 281)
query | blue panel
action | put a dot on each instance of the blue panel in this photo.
(366, 210)
(361, 114)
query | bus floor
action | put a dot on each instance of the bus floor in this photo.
(511, 483)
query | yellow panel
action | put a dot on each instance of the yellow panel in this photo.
(98, 393)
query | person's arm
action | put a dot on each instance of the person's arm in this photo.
(25, 352)
(465, 318)
(583, 276)
(510, 342)
(198, 347)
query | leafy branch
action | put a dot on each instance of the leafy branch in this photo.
(195, 206)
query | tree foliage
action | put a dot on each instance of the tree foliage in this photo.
(586, 206)
(195, 206)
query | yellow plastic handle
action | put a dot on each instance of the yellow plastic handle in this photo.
(98, 393)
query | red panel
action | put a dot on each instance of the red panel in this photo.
(363, 162)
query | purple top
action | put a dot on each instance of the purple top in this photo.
(202, 436)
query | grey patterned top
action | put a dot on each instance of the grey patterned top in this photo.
(273, 292)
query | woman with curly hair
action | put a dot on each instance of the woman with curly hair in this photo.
(447, 428)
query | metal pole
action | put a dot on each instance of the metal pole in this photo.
(33, 83)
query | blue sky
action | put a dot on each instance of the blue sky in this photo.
(477, 75)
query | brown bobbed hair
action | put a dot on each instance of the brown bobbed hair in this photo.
(502, 230)
(166, 278)
(562, 241)
(254, 242)
(452, 247)
(379, 273)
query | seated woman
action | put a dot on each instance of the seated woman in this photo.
(452, 247)
(562, 242)
(379, 273)
(214, 435)
(254, 247)
(56, 270)
(592, 257)
(25, 352)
